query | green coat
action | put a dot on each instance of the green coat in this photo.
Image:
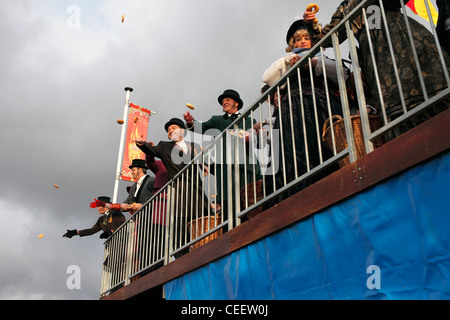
(214, 127)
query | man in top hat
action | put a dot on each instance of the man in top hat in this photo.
(140, 192)
(231, 103)
(175, 155)
(109, 221)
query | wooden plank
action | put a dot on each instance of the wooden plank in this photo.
(419, 144)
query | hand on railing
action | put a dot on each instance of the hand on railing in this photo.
(131, 208)
(294, 60)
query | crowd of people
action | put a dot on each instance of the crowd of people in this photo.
(298, 108)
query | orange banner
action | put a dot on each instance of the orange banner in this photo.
(137, 126)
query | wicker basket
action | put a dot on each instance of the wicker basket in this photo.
(341, 138)
(201, 226)
(251, 197)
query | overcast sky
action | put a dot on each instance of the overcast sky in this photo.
(63, 83)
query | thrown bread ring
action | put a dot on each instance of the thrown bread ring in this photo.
(313, 8)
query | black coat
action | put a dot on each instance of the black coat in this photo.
(188, 197)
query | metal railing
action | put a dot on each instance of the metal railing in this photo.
(248, 167)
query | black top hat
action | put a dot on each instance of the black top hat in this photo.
(176, 121)
(230, 93)
(138, 163)
(104, 199)
(297, 25)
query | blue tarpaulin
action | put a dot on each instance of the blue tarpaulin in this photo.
(391, 241)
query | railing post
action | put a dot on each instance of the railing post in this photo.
(129, 259)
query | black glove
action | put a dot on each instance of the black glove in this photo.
(105, 235)
(70, 233)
